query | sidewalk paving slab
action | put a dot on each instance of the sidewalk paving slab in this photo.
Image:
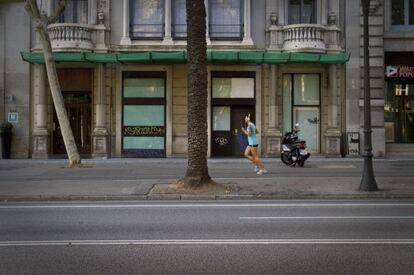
(120, 179)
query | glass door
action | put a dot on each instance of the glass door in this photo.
(301, 105)
(309, 124)
(399, 113)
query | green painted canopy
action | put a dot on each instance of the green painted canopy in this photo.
(179, 57)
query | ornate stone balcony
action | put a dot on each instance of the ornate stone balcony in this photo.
(76, 37)
(304, 38)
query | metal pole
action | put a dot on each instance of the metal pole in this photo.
(368, 182)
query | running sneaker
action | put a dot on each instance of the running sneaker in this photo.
(261, 172)
(256, 169)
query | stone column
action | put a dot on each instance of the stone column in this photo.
(207, 22)
(100, 132)
(273, 132)
(167, 23)
(247, 38)
(126, 40)
(40, 132)
(49, 7)
(333, 133)
(93, 12)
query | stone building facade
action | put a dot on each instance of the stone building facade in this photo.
(121, 66)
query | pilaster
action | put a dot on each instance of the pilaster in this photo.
(40, 134)
(100, 132)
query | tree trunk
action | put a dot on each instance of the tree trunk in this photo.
(67, 134)
(197, 170)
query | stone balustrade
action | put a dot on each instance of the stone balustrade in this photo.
(75, 37)
(304, 38)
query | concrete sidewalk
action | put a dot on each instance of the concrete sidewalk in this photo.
(126, 179)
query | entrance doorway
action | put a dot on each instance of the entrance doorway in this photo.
(232, 98)
(227, 139)
(301, 105)
(76, 85)
(78, 107)
(399, 113)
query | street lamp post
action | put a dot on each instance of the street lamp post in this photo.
(368, 182)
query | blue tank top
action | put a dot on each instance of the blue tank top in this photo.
(252, 134)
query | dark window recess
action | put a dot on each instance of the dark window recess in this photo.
(147, 19)
(179, 23)
(76, 11)
(402, 12)
(226, 19)
(302, 12)
(397, 12)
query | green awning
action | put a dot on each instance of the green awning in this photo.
(139, 57)
(276, 57)
(37, 57)
(251, 57)
(304, 57)
(334, 58)
(101, 57)
(178, 57)
(169, 57)
(222, 56)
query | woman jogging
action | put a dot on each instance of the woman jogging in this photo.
(251, 150)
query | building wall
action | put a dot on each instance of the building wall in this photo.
(355, 72)
(15, 79)
(341, 85)
(179, 110)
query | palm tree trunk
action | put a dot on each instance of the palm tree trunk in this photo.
(197, 169)
(41, 26)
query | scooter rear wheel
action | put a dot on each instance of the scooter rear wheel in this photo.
(286, 159)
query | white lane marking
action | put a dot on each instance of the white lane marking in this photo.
(204, 242)
(326, 217)
(335, 166)
(208, 205)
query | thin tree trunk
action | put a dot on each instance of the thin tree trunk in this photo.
(41, 26)
(197, 169)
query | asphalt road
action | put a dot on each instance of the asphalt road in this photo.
(249, 237)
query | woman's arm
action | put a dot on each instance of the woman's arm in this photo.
(245, 131)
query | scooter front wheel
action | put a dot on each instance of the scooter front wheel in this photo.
(286, 159)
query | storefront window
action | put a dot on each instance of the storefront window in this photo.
(144, 87)
(399, 113)
(221, 118)
(144, 115)
(143, 123)
(306, 89)
(236, 87)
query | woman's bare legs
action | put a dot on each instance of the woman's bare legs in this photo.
(249, 155)
(256, 158)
